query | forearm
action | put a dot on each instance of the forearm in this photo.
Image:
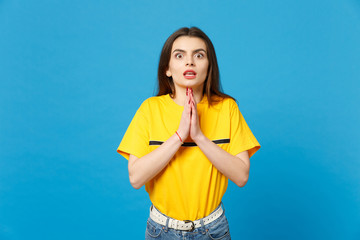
(231, 166)
(142, 170)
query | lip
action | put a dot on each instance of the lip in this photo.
(189, 76)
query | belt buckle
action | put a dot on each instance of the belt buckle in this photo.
(192, 225)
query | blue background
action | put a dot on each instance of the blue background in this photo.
(73, 73)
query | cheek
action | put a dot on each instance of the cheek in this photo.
(173, 66)
(204, 68)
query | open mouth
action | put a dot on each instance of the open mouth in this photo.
(189, 74)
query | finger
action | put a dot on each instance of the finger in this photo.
(193, 110)
(187, 107)
(190, 102)
(194, 119)
(186, 104)
(191, 97)
(193, 101)
(190, 106)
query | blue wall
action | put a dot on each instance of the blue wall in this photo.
(73, 73)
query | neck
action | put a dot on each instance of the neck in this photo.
(180, 95)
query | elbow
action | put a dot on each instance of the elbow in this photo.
(241, 182)
(136, 186)
(135, 183)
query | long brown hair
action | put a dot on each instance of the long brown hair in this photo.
(212, 87)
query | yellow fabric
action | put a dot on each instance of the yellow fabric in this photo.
(190, 187)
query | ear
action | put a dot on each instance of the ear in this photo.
(168, 73)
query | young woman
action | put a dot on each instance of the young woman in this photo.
(185, 143)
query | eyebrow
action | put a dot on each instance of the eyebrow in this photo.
(195, 51)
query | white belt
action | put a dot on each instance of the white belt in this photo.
(185, 225)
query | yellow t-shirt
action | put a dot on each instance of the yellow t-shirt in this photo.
(189, 187)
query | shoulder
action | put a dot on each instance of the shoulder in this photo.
(152, 101)
(226, 102)
(230, 106)
(229, 101)
(155, 100)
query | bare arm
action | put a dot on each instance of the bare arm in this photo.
(236, 168)
(142, 170)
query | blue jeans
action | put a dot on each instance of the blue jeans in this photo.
(218, 230)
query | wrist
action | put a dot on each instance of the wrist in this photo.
(199, 137)
(180, 137)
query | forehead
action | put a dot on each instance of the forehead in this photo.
(188, 43)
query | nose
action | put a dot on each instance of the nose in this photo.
(190, 61)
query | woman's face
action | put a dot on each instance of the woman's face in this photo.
(189, 63)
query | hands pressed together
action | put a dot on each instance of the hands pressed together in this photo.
(189, 123)
(143, 169)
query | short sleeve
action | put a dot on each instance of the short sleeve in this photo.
(241, 137)
(136, 138)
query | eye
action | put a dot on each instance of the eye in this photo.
(178, 55)
(199, 55)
